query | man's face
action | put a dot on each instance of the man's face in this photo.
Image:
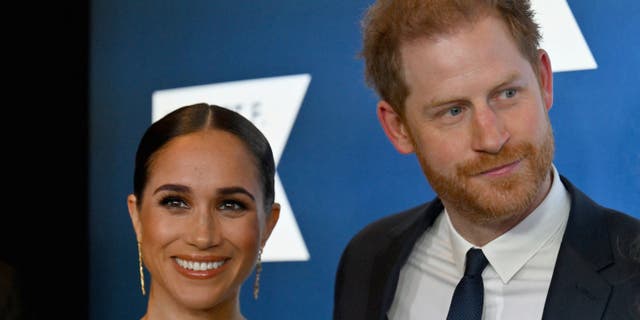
(476, 116)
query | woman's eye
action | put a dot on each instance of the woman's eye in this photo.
(174, 202)
(231, 205)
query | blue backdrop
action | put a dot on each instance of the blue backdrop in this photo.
(339, 170)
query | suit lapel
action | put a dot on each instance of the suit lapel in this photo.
(577, 290)
(389, 262)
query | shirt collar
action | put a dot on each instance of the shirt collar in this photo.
(510, 252)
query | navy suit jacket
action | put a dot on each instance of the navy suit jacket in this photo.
(597, 273)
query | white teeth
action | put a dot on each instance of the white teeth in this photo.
(199, 266)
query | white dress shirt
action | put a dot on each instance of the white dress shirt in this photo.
(516, 280)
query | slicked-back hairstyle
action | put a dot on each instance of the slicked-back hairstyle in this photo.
(389, 23)
(200, 117)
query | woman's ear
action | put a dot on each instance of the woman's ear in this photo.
(270, 223)
(134, 214)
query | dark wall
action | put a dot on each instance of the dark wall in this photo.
(43, 229)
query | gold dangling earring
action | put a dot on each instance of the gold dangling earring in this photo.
(144, 292)
(256, 284)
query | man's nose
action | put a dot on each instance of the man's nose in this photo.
(489, 133)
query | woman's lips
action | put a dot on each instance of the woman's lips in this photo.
(200, 268)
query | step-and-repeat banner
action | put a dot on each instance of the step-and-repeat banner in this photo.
(292, 68)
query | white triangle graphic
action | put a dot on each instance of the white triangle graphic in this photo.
(561, 36)
(272, 104)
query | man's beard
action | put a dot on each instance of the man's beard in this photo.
(500, 197)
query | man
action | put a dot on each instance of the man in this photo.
(464, 86)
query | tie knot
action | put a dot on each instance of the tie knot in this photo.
(476, 262)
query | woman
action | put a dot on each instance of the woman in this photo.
(202, 209)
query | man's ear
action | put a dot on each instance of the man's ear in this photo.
(395, 128)
(132, 204)
(545, 75)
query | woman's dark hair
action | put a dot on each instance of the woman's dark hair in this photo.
(198, 117)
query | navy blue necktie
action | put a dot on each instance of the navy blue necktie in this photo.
(467, 300)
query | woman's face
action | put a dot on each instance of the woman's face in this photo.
(201, 220)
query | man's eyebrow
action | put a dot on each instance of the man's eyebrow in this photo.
(513, 77)
(441, 101)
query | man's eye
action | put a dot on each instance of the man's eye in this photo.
(454, 111)
(510, 93)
